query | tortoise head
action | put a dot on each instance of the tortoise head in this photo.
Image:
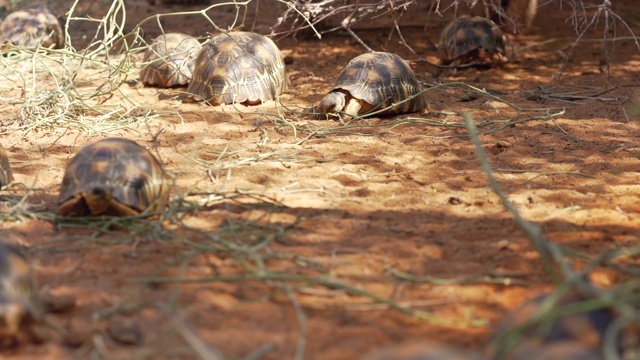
(98, 199)
(333, 102)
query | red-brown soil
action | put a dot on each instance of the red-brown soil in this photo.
(288, 221)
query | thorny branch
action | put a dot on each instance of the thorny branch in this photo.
(305, 14)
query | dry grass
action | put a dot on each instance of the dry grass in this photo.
(67, 88)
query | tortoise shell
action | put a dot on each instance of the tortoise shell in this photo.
(470, 39)
(238, 67)
(114, 177)
(171, 59)
(539, 327)
(6, 176)
(31, 27)
(18, 296)
(375, 81)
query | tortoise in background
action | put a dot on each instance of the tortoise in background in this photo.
(375, 81)
(19, 304)
(6, 175)
(171, 59)
(472, 40)
(31, 27)
(238, 67)
(114, 177)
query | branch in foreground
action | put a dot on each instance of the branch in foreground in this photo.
(549, 252)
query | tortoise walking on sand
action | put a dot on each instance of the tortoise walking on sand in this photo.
(472, 39)
(114, 177)
(238, 67)
(171, 59)
(375, 81)
(31, 27)
(19, 303)
(6, 175)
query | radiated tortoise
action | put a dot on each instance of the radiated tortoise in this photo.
(472, 39)
(6, 175)
(375, 81)
(171, 59)
(238, 67)
(114, 177)
(31, 27)
(19, 303)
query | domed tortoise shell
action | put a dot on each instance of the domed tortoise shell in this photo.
(31, 27)
(372, 82)
(171, 59)
(238, 67)
(115, 177)
(472, 39)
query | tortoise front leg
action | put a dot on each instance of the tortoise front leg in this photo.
(351, 110)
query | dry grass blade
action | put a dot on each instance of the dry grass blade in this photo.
(582, 24)
(553, 259)
(570, 94)
(203, 350)
(472, 279)
(305, 14)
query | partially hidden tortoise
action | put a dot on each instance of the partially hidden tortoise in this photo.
(31, 27)
(6, 175)
(472, 39)
(238, 67)
(376, 81)
(170, 60)
(19, 304)
(115, 177)
(559, 330)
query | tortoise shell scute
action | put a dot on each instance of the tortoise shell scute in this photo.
(171, 60)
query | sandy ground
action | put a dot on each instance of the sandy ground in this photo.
(288, 229)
